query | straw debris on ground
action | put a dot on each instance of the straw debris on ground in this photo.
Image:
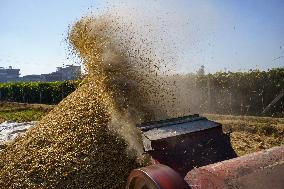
(251, 133)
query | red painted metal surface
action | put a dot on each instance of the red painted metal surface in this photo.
(155, 177)
(261, 169)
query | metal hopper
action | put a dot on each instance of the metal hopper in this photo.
(193, 152)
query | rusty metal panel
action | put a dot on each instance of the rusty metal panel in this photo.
(172, 130)
(165, 129)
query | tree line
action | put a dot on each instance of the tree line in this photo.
(37, 92)
(238, 93)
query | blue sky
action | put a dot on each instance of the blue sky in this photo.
(220, 34)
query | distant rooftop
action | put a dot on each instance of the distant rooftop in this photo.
(67, 72)
(9, 68)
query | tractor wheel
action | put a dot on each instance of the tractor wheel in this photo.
(155, 177)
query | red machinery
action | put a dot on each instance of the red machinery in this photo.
(184, 150)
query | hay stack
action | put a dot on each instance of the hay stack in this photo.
(90, 140)
(74, 145)
(71, 147)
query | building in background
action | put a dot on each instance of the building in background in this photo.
(32, 78)
(9, 74)
(68, 72)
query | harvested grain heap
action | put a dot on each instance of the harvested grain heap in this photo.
(89, 139)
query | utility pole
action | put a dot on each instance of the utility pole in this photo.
(208, 95)
(273, 102)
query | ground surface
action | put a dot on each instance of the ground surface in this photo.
(248, 133)
(10, 130)
(20, 112)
